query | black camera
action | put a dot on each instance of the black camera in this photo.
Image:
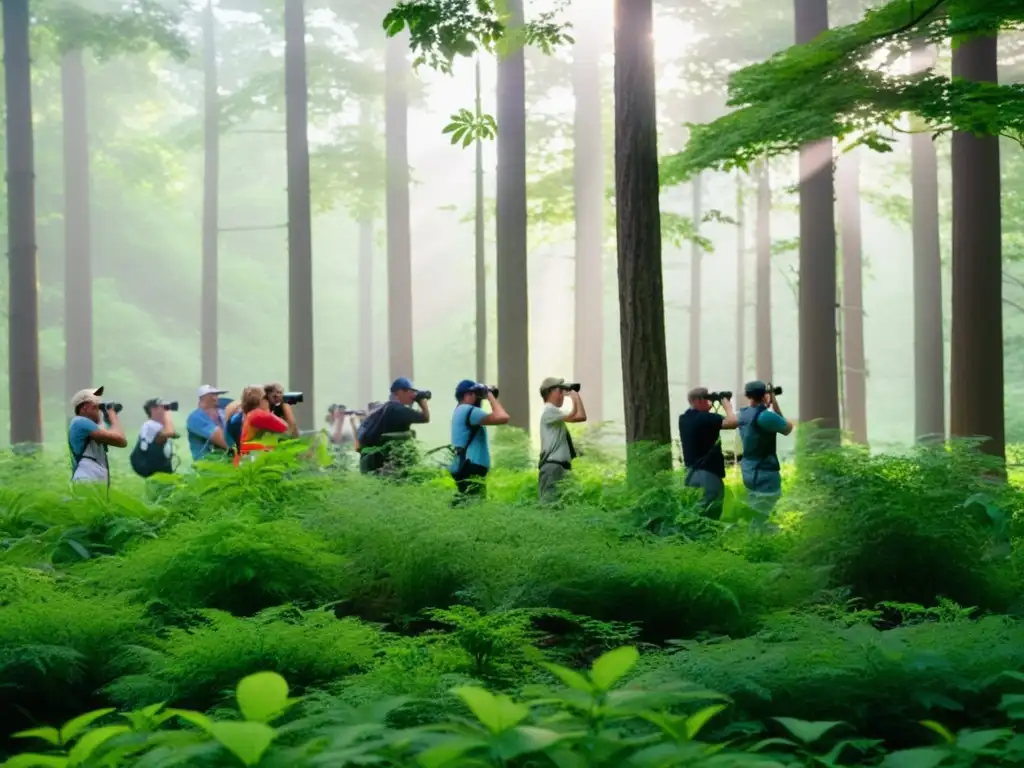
(717, 397)
(292, 398)
(571, 387)
(172, 406)
(483, 389)
(423, 394)
(775, 391)
(110, 405)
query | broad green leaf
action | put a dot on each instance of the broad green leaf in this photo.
(806, 731)
(570, 677)
(940, 729)
(246, 741)
(699, 719)
(496, 713)
(197, 719)
(92, 740)
(613, 666)
(262, 697)
(76, 725)
(52, 735)
(448, 751)
(977, 740)
(923, 757)
(36, 761)
(524, 740)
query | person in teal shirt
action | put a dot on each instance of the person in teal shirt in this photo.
(472, 459)
(760, 424)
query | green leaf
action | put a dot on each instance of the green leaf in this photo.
(262, 697)
(30, 760)
(696, 721)
(805, 731)
(525, 740)
(246, 741)
(973, 741)
(940, 729)
(922, 757)
(496, 713)
(76, 725)
(613, 666)
(570, 677)
(448, 751)
(49, 734)
(92, 740)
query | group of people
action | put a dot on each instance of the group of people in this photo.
(759, 423)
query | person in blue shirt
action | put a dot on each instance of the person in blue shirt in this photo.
(472, 459)
(88, 441)
(205, 425)
(760, 424)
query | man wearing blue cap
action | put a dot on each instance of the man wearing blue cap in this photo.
(390, 423)
(760, 423)
(469, 438)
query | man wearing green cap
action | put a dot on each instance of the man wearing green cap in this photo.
(556, 448)
(760, 423)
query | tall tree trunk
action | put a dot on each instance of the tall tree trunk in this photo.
(300, 238)
(695, 284)
(78, 351)
(211, 189)
(976, 379)
(854, 363)
(819, 376)
(364, 385)
(588, 190)
(480, 245)
(929, 351)
(513, 304)
(763, 363)
(638, 216)
(23, 311)
(741, 284)
(399, 237)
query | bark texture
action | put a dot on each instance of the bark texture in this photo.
(763, 269)
(696, 255)
(854, 362)
(976, 377)
(300, 239)
(480, 245)
(638, 216)
(365, 354)
(741, 286)
(23, 300)
(211, 190)
(513, 303)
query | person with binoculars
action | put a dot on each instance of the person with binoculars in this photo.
(343, 424)
(88, 441)
(206, 425)
(556, 449)
(154, 452)
(472, 459)
(760, 424)
(700, 436)
(281, 403)
(380, 436)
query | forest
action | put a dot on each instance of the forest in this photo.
(644, 197)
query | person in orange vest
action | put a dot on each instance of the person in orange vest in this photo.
(257, 420)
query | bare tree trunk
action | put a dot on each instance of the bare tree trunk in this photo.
(211, 190)
(854, 363)
(78, 346)
(588, 186)
(696, 309)
(741, 285)
(399, 237)
(638, 215)
(763, 304)
(300, 238)
(976, 381)
(480, 245)
(364, 384)
(819, 376)
(513, 304)
(23, 312)
(929, 351)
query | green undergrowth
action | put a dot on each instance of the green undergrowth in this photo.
(887, 593)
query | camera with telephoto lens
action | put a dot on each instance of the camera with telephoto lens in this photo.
(774, 390)
(717, 397)
(110, 405)
(571, 387)
(292, 398)
(483, 389)
(423, 394)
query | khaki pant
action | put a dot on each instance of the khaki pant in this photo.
(548, 478)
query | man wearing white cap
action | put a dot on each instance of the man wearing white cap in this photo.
(205, 425)
(88, 441)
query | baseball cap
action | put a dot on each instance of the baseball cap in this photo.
(209, 389)
(401, 383)
(755, 389)
(155, 402)
(550, 383)
(464, 387)
(83, 396)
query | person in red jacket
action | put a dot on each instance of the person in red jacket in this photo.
(257, 420)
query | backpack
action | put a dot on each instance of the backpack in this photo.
(462, 451)
(233, 429)
(372, 430)
(148, 461)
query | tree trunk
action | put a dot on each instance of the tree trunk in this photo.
(399, 237)
(854, 363)
(480, 245)
(638, 216)
(588, 187)
(976, 379)
(78, 349)
(211, 190)
(695, 285)
(741, 285)
(300, 239)
(819, 376)
(23, 312)
(929, 351)
(763, 304)
(513, 304)
(364, 384)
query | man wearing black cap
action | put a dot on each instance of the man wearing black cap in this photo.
(154, 450)
(472, 459)
(699, 434)
(390, 423)
(760, 423)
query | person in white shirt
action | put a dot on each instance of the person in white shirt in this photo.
(556, 448)
(155, 435)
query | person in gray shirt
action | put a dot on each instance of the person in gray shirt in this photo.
(556, 448)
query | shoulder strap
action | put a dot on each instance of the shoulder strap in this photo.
(474, 430)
